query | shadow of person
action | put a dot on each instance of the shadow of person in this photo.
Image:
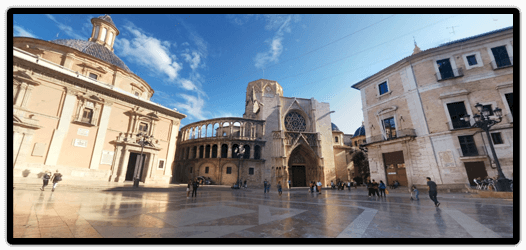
(39, 175)
(441, 225)
(26, 172)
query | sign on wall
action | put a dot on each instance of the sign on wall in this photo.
(107, 157)
(80, 143)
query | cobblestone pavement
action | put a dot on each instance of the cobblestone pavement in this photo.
(220, 212)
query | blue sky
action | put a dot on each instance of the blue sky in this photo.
(201, 64)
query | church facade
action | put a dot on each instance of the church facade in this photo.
(278, 139)
(78, 108)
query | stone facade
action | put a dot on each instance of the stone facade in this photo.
(80, 111)
(412, 112)
(285, 138)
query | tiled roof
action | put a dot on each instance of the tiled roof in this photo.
(94, 49)
(334, 127)
(359, 131)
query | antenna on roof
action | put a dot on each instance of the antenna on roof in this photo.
(414, 40)
(453, 29)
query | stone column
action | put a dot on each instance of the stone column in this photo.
(63, 127)
(152, 164)
(25, 149)
(197, 151)
(29, 89)
(219, 150)
(229, 154)
(252, 149)
(101, 135)
(117, 162)
(171, 149)
(124, 165)
(21, 93)
(17, 141)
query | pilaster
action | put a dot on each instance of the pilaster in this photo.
(101, 135)
(63, 127)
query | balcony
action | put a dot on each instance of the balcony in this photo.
(471, 151)
(454, 125)
(502, 63)
(395, 134)
(449, 74)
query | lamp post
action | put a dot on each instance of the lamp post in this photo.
(484, 122)
(239, 151)
(143, 141)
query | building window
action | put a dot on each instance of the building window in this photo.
(509, 99)
(501, 56)
(364, 141)
(206, 170)
(251, 171)
(445, 69)
(457, 111)
(86, 115)
(497, 138)
(257, 152)
(467, 145)
(91, 75)
(191, 169)
(389, 127)
(336, 139)
(488, 107)
(383, 88)
(472, 60)
(224, 133)
(356, 143)
(137, 94)
(143, 127)
(228, 170)
(161, 164)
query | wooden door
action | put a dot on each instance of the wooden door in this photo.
(475, 170)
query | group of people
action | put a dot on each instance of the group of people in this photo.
(194, 185)
(341, 185)
(395, 184)
(55, 178)
(376, 189)
(315, 187)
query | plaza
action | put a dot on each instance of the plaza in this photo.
(119, 211)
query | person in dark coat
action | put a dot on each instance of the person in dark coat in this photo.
(45, 180)
(195, 185)
(55, 179)
(188, 188)
(432, 187)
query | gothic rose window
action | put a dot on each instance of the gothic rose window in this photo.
(295, 122)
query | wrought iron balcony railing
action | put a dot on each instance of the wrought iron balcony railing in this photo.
(467, 151)
(449, 74)
(395, 134)
(459, 124)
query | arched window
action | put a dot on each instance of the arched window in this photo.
(207, 151)
(336, 139)
(257, 152)
(246, 155)
(201, 152)
(206, 170)
(214, 151)
(187, 153)
(295, 122)
(224, 151)
(194, 152)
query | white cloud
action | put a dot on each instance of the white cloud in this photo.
(19, 31)
(65, 28)
(185, 44)
(193, 106)
(239, 19)
(193, 61)
(149, 52)
(283, 25)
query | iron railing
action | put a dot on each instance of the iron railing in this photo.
(459, 124)
(395, 134)
(467, 151)
(449, 74)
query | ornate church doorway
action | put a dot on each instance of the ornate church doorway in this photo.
(303, 166)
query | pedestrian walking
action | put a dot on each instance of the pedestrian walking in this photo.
(279, 188)
(265, 183)
(349, 185)
(195, 185)
(381, 187)
(289, 184)
(55, 179)
(415, 191)
(310, 187)
(268, 187)
(432, 187)
(319, 187)
(332, 185)
(188, 189)
(45, 180)
(355, 184)
(245, 184)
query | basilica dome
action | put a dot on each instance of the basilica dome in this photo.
(94, 49)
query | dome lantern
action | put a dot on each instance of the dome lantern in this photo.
(104, 31)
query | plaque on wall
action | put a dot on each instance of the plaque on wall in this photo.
(83, 132)
(80, 143)
(107, 157)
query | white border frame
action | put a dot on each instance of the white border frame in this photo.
(164, 164)
(451, 61)
(467, 105)
(378, 88)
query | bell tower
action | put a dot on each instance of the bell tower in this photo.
(104, 31)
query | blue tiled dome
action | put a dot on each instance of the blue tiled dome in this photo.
(334, 127)
(94, 49)
(359, 131)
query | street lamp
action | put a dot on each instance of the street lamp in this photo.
(484, 122)
(240, 150)
(144, 140)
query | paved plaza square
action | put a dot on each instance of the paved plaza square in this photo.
(74, 212)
